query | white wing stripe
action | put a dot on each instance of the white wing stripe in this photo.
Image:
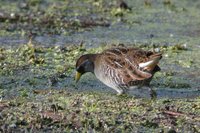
(118, 64)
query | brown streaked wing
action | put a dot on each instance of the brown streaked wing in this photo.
(128, 71)
(137, 55)
(115, 57)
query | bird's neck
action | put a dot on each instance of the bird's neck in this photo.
(91, 63)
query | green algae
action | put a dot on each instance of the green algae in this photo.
(38, 17)
(40, 109)
(69, 111)
(37, 89)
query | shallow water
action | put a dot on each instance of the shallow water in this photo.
(158, 24)
(37, 88)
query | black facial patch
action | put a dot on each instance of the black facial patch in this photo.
(86, 66)
(80, 69)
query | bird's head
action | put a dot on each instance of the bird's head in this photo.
(84, 64)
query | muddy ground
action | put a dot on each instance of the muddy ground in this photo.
(40, 41)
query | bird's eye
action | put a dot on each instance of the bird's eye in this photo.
(80, 69)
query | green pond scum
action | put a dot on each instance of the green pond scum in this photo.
(37, 88)
(63, 111)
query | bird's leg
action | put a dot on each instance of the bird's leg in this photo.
(152, 92)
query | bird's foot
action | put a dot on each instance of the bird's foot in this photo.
(120, 92)
(153, 94)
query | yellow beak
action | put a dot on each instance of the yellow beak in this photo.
(78, 75)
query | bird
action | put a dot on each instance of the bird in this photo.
(120, 68)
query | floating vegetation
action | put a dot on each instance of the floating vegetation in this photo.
(56, 110)
(37, 89)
